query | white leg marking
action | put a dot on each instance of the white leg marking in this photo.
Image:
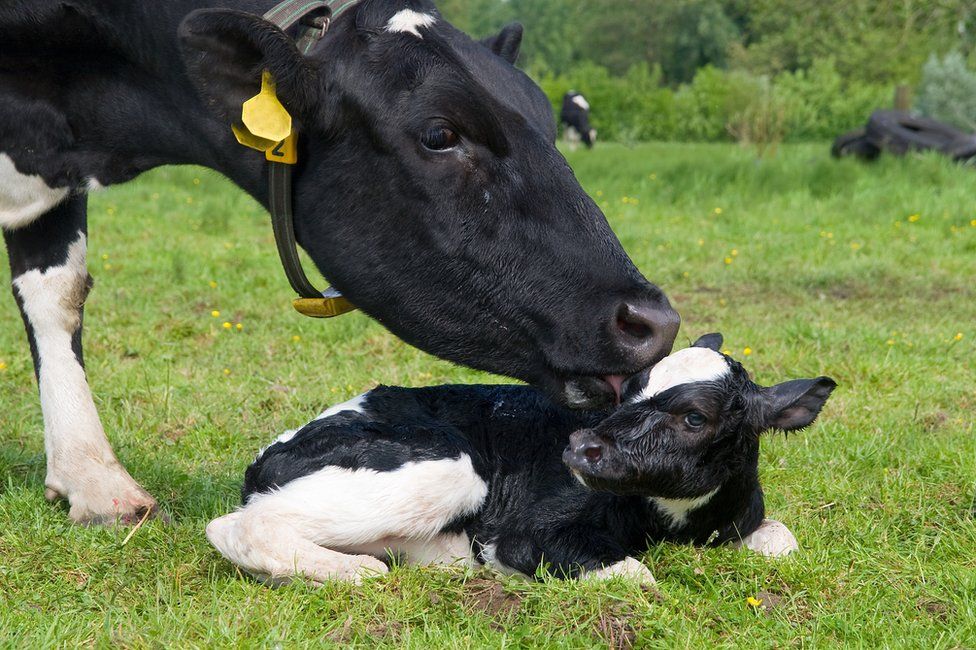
(357, 512)
(24, 198)
(772, 539)
(355, 405)
(80, 463)
(489, 556)
(629, 568)
(677, 509)
(684, 367)
(409, 21)
(445, 548)
(93, 185)
(580, 101)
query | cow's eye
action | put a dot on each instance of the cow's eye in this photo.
(439, 138)
(694, 419)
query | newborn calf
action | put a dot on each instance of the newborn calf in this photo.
(483, 475)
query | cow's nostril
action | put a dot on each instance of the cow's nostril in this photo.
(645, 330)
(632, 324)
(593, 453)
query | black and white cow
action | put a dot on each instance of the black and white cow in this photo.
(575, 115)
(428, 190)
(484, 475)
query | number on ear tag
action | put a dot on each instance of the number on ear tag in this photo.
(285, 151)
(263, 114)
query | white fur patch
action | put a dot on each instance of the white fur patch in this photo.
(24, 198)
(771, 539)
(330, 523)
(580, 101)
(684, 367)
(345, 508)
(80, 463)
(409, 21)
(677, 509)
(94, 185)
(355, 405)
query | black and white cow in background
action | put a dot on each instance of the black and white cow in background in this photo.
(575, 114)
(483, 475)
(429, 191)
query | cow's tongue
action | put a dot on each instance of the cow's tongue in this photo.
(616, 383)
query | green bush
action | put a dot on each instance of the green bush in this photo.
(813, 104)
(948, 91)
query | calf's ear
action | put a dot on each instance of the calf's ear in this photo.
(795, 404)
(225, 52)
(711, 341)
(506, 43)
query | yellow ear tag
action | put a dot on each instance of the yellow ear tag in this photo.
(329, 306)
(263, 114)
(248, 139)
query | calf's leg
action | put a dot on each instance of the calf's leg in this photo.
(50, 284)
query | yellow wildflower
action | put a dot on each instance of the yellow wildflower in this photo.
(296, 338)
(215, 313)
(226, 371)
(973, 223)
(196, 181)
(914, 217)
(735, 252)
(856, 246)
(747, 351)
(754, 602)
(3, 366)
(154, 196)
(227, 325)
(701, 242)
(717, 211)
(213, 284)
(728, 260)
(957, 337)
(726, 351)
(104, 256)
(653, 177)
(890, 341)
(239, 326)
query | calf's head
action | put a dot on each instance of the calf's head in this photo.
(429, 191)
(690, 431)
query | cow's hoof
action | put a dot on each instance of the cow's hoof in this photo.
(113, 499)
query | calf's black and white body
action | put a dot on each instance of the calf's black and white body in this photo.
(484, 475)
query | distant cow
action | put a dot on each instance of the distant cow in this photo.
(502, 476)
(576, 116)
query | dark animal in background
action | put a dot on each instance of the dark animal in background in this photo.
(426, 158)
(575, 115)
(899, 132)
(484, 475)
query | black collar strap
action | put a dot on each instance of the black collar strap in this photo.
(315, 16)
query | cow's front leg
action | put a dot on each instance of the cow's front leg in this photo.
(50, 284)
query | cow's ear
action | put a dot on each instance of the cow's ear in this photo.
(795, 404)
(506, 43)
(711, 341)
(225, 52)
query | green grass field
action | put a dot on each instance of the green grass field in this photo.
(807, 265)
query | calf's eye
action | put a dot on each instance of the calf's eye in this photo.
(439, 138)
(694, 419)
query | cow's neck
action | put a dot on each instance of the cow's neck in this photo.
(129, 102)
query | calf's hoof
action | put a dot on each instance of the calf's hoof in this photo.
(771, 539)
(629, 569)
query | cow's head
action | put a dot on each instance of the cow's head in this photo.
(431, 194)
(689, 433)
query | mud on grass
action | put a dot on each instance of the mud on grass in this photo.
(862, 272)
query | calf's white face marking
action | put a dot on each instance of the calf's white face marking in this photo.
(684, 367)
(24, 198)
(409, 21)
(80, 462)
